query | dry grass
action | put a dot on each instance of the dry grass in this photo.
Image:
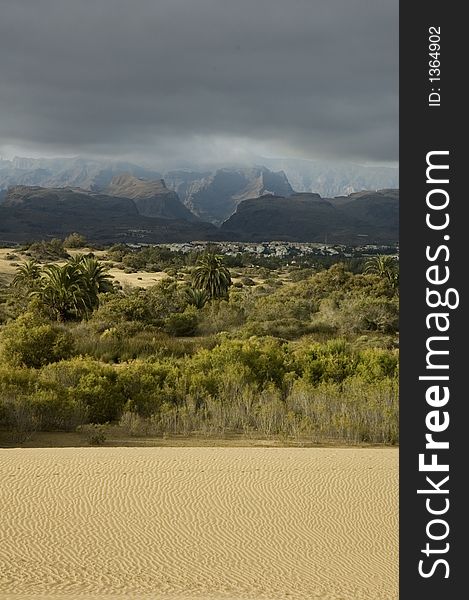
(116, 438)
(8, 266)
(139, 279)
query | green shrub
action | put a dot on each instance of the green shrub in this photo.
(151, 306)
(147, 385)
(263, 360)
(248, 281)
(88, 383)
(99, 391)
(57, 411)
(220, 315)
(376, 363)
(370, 314)
(301, 274)
(75, 240)
(32, 343)
(94, 433)
(333, 361)
(182, 324)
(47, 250)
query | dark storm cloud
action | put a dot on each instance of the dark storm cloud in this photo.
(315, 78)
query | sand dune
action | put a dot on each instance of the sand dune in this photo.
(199, 523)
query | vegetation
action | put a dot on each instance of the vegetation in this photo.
(75, 240)
(28, 275)
(47, 251)
(309, 358)
(384, 266)
(211, 276)
(68, 291)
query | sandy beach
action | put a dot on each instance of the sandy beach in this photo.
(199, 523)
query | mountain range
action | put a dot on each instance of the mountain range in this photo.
(112, 202)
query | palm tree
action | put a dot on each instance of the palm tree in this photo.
(28, 275)
(211, 275)
(76, 259)
(385, 267)
(69, 291)
(62, 291)
(196, 297)
(95, 280)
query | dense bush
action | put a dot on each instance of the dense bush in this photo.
(94, 433)
(220, 315)
(301, 274)
(316, 390)
(75, 240)
(29, 341)
(151, 258)
(151, 306)
(182, 324)
(90, 384)
(47, 250)
(30, 402)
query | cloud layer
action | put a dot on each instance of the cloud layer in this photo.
(177, 79)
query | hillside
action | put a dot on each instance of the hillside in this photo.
(363, 217)
(135, 210)
(32, 213)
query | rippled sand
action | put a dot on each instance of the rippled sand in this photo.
(208, 523)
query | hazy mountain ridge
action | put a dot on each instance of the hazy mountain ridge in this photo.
(215, 196)
(87, 174)
(330, 178)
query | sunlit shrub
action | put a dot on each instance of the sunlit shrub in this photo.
(34, 343)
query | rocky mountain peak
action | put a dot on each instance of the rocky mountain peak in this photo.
(214, 196)
(126, 184)
(152, 197)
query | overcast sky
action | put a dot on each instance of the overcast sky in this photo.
(183, 80)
